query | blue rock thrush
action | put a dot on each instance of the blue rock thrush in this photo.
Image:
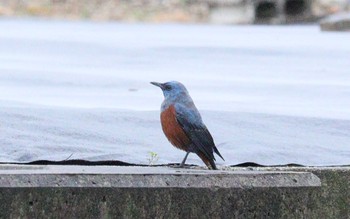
(183, 126)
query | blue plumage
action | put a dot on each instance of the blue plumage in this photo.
(188, 120)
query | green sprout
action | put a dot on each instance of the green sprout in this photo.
(153, 158)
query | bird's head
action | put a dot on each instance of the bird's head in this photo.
(172, 90)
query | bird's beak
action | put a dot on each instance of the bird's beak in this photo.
(158, 84)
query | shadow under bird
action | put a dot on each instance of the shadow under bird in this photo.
(183, 126)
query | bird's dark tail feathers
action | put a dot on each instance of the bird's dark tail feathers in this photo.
(208, 162)
(218, 153)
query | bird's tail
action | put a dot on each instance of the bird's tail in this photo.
(218, 153)
(208, 162)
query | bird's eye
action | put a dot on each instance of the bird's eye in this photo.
(167, 87)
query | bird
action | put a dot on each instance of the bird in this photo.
(183, 126)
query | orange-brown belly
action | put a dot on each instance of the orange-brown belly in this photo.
(173, 130)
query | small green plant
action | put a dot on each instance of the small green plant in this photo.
(153, 158)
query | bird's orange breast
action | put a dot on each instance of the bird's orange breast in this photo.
(172, 129)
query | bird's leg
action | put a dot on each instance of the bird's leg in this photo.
(184, 160)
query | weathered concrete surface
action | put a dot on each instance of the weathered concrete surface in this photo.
(156, 203)
(134, 192)
(333, 199)
(147, 177)
(339, 22)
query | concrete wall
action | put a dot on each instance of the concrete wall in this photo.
(117, 192)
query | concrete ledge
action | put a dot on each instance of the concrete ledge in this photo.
(161, 192)
(147, 177)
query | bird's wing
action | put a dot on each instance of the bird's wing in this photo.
(197, 132)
